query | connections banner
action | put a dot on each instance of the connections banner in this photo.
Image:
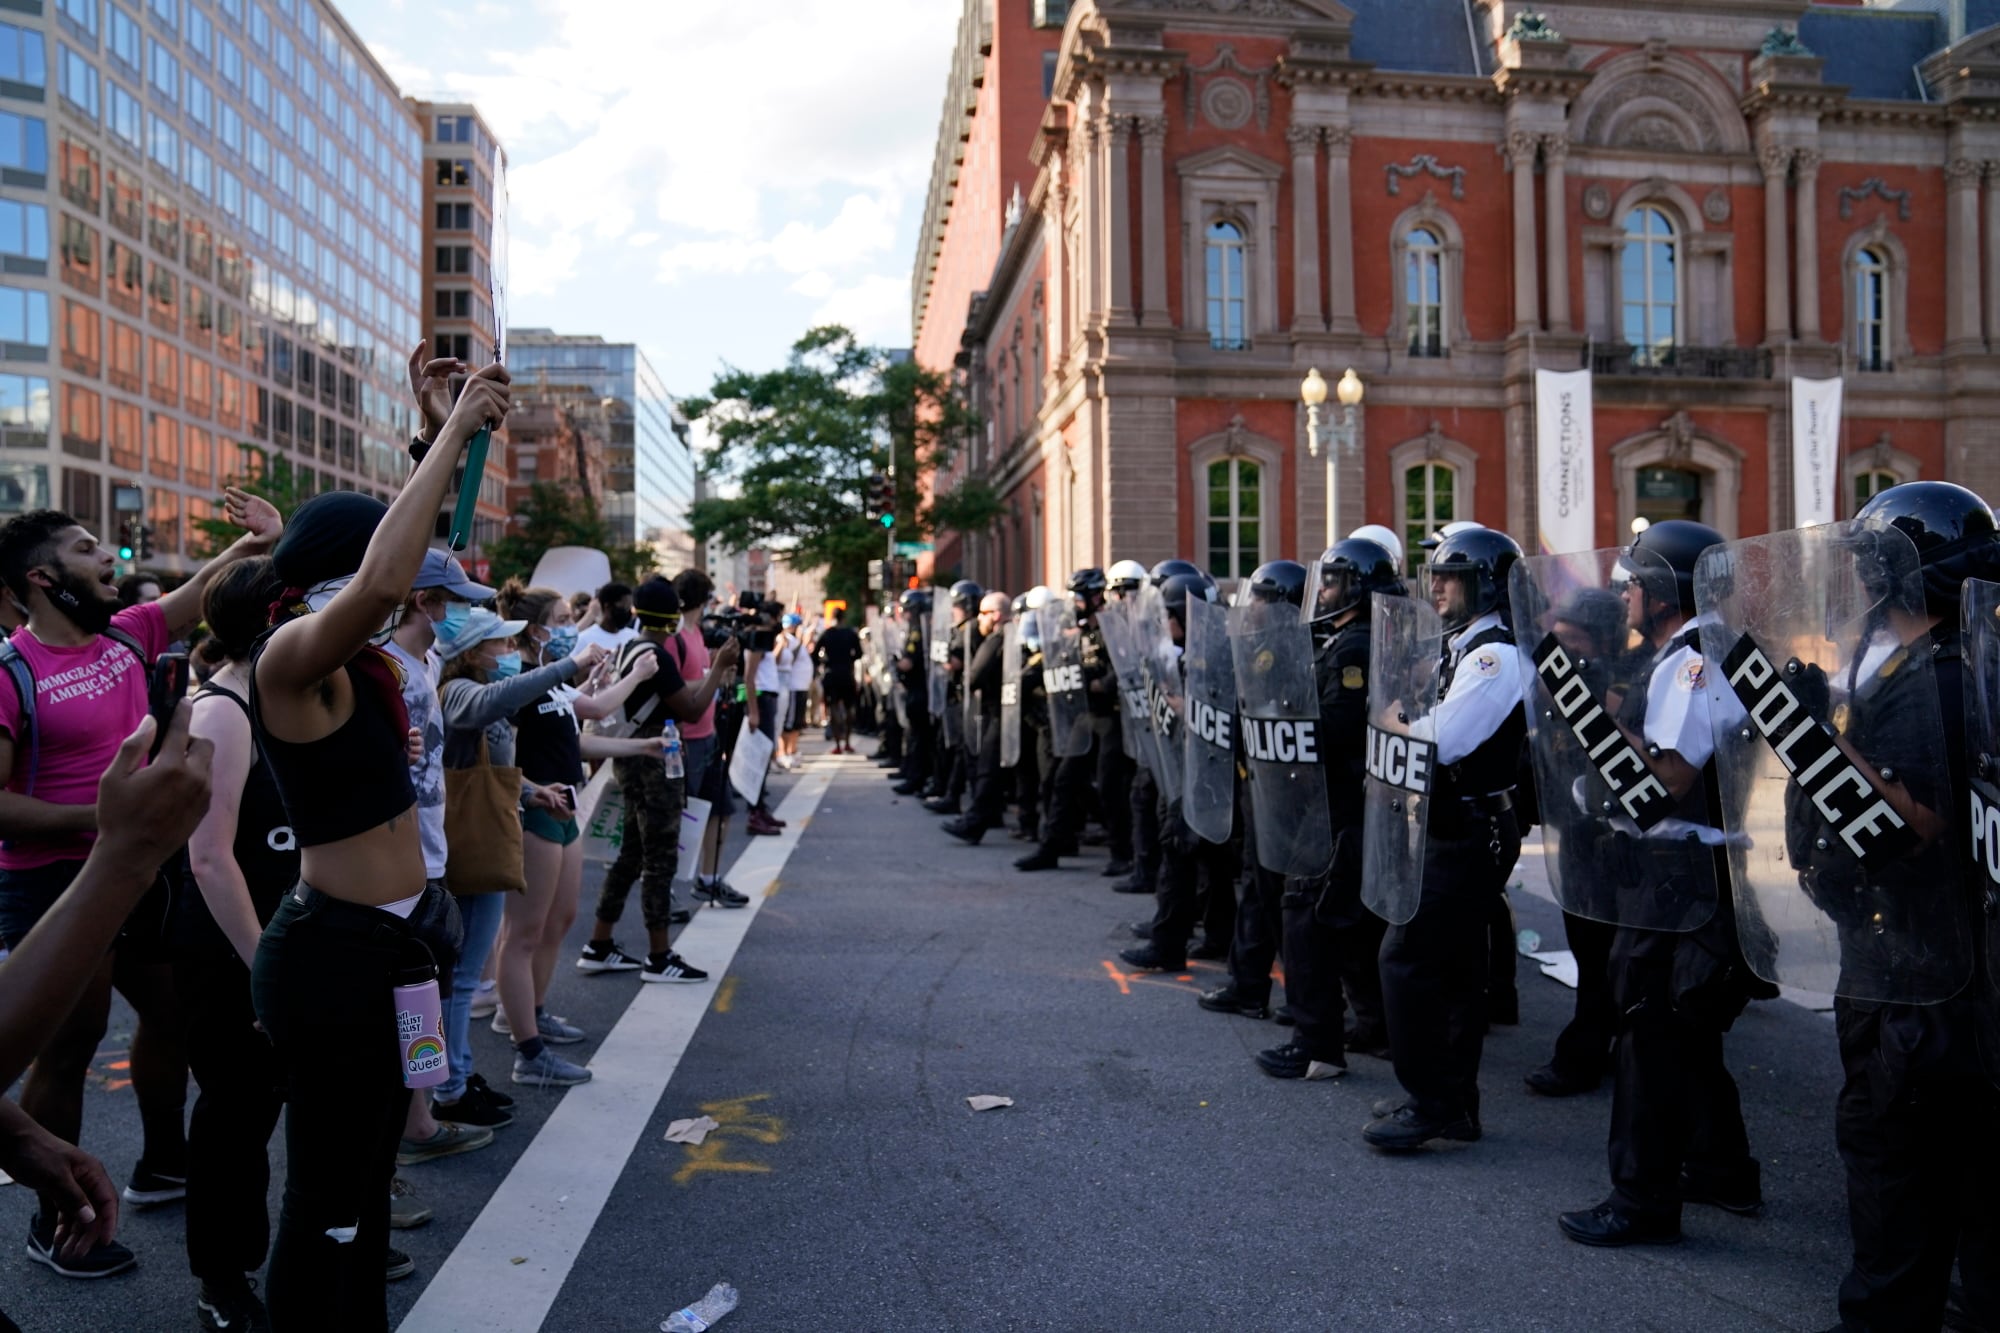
(1564, 449)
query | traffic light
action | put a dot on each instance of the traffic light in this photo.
(125, 540)
(882, 499)
(145, 542)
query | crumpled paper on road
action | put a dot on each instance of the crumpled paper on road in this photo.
(988, 1102)
(691, 1131)
(1558, 965)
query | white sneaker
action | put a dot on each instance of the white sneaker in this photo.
(548, 1070)
(554, 1030)
(485, 1000)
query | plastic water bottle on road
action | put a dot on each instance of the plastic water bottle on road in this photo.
(670, 743)
(703, 1314)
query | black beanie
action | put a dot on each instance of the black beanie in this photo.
(326, 537)
(653, 601)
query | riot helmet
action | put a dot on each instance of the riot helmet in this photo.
(1174, 593)
(1436, 539)
(1088, 587)
(916, 601)
(1166, 569)
(1126, 577)
(1953, 530)
(1661, 561)
(1478, 559)
(1385, 538)
(1036, 597)
(1598, 616)
(966, 596)
(1275, 581)
(1346, 575)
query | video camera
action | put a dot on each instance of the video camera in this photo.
(744, 623)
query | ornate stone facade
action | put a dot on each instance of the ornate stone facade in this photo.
(1223, 193)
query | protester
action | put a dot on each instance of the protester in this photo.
(243, 859)
(613, 628)
(330, 718)
(706, 741)
(134, 589)
(654, 799)
(764, 705)
(838, 649)
(89, 662)
(795, 669)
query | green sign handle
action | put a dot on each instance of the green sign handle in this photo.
(468, 488)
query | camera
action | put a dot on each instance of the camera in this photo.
(752, 631)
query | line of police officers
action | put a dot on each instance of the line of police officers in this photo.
(1768, 762)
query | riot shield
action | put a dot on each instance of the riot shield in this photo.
(969, 640)
(1406, 647)
(1273, 657)
(1208, 799)
(1062, 679)
(1620, 847)
(938, 641)
(1165, 694)
(1010, 696)
(1981, 611)
(895, 638)
(1121, 623)
(1830, 755)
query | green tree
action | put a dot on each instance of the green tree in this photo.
(795, 448)
(260, 475)
(555, 515)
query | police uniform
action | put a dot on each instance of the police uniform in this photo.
(1194, 874)
(1031, 775)
(1676, 1121)
(1330, 939)
(988, 790)
(918, 749)
(1435, 967)
(1075, 774)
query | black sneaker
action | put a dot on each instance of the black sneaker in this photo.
(231, 1308)
(1149, 957)
(103, 1261)
(1293, 1060)
(149, 1188)
(491, 1093)
(670, 966)
(719, 894)
(607, 957)
(1228, 1000)
(400, 1266)
(474, 1108)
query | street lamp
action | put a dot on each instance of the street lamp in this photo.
(1312, 392)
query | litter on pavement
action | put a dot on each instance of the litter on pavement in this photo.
(691, 1131)
(987, 1102)
(1559, 965)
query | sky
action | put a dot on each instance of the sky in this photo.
(707, 180)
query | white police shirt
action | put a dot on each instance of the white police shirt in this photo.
(1485, 690)
(1682, 712)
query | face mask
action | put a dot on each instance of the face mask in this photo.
(80, 602)
(321, 594)
(505, 665)
(562, 641)
(455, 616)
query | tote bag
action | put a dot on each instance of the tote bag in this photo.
(482, 828)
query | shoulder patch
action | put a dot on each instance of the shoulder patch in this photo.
(1486, 663)
(1691, 676)
(1353, 678)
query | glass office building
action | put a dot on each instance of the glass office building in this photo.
(210, 238)
(648, 463)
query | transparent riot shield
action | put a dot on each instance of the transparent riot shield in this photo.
(1620, 846)
(1165, 695)
(944, 637)
(1406, 646)
(1981, 611)
(1273, 657)
(1208, 799)
(1062, 679)
(974, 710)
(1010, 696)
(894, 636)
(1831, 764)
(1122, 624)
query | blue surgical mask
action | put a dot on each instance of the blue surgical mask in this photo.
(455, 616)
(562, 641)
(505, 665)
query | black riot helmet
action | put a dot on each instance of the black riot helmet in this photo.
(1953, 530)
(1166, 569)
(1481, 558)
(917, 601)
(1347, 574)
(1178, 588)
(1671, 548)
(1087, 581)
(1278, 581)
(966, 595)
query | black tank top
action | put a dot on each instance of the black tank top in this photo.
(265, 849)
(352, 780)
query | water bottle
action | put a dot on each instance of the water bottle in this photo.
(670, 744)
(703, 1314)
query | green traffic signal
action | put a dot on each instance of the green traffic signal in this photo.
(888, 520)
(124, 553)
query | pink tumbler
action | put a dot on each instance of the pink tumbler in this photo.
(420, 1027)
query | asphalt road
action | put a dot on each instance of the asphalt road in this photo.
(1147, 1175)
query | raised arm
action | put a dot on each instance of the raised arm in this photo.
(263, 524)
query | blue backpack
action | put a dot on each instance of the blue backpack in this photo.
(17, 669)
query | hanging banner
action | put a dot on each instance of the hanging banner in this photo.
(1565, 449)
(1815, 451)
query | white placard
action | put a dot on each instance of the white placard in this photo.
(1565, 448)
(1815, 450)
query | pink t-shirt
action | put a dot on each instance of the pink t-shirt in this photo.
(87, 701)
(694, 670)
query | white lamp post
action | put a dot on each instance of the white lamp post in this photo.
(1312, 392)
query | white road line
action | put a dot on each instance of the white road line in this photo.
(545, 1209)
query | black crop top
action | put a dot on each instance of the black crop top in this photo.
(353, 780)
(266, 851)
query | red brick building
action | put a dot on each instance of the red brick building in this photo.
(1697, 201)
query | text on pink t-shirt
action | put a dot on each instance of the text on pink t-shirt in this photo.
(694, 670)
(87, 701)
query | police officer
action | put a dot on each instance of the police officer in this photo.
(1036, 771)
(913, 674)
(1189, 863)
(1434, 967)
(1145, 791)
(1677, 1131)
(1076, 773)
(955, 762)
(1331, 940)
(983, 680)
(1122, 776)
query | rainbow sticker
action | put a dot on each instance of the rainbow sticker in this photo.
(425, 1054)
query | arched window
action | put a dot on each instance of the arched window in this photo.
(1430, 500)
(1871, 308)
(1649, 283)
(1228, 323)
(1235, 517)
(1668, 492)
(1423, 291)
(1870, 482)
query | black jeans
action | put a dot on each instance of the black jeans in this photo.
(1331, 947)
(323, 983)
(649, 843)
(1188, 864)
(229, 1167)
(1583, 1048)
(990, 782)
